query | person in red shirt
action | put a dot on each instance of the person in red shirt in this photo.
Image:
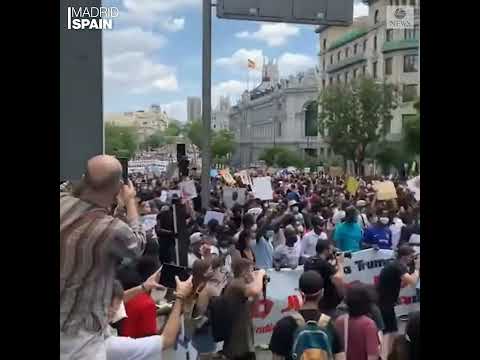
(358, 331)
(141, 310)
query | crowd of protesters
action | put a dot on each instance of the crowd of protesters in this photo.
(110, 260)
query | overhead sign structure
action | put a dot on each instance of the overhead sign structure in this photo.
(315, 12)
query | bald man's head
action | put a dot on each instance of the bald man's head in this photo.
(103, 173)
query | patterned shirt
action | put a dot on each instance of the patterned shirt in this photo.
(92, 243)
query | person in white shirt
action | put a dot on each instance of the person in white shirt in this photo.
(362, 218)
(309, 241)
(150, 347)
(200, 248)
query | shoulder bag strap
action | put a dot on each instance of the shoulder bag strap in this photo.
(345, 334)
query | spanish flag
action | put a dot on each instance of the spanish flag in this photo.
(251, 64)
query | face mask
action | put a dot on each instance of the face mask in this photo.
(254, 228)
(269, 234)
(252, 243)
(223, 251)
(300, 229)
(374, 220)
(295, 209)
(384, 220)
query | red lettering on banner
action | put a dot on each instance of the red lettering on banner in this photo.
(376, 279)
(293, 304)
(261, 309)
(264, 329)
(406, 300)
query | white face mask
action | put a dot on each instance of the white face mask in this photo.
(295, 209)
(254, 228)
(300, 229)
(384, 220)
(252, 243)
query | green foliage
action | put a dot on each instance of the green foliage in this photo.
(194, 131)
(174, 128)
(281, 157)
(411, 132)
(155, 140)
(356, 115)
(223, 144)
(120, 140)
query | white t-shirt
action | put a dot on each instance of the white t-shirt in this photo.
(125, 348)
(396, 229)
(309, 243)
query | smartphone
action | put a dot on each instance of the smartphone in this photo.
(168, 273)
(124, 162)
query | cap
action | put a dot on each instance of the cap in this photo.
(311, 282)
(195, 238)
(361, 203)
(338, 217)
(292, 203)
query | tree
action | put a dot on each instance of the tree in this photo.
(281, 157)
(411, 132)
(223, 144)
(194, 132)
(355, 115)
(174, 128)
(120, 141)
(156, 140)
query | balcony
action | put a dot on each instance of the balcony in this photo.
(396, 45)
(352, 60)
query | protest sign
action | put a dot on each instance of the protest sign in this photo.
(245, 177)
(232, 196)
(320, 169)
(213, 173)
(306, 170)
(352, 185)
(414, 186)
(227, 177)
(188, 189)
(335, 171)
(385, 190)
(262, 188)
(214, 215)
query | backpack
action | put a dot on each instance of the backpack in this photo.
(312, 340)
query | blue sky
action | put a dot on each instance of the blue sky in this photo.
(153, 54)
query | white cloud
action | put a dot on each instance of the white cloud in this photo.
(239, 60)
(291, 63)
(273, 34)
(360, 9)
(176, 110)
(132, 39)
(174, 24)
(158, 6)
(136, 73)
(232, 88)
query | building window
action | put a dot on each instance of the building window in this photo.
(311, 119)
(279, 106)
(397, 2)
(364, 45)
(323, 65)
(375, 20)
(338, 79)
(374, 69)
(354, 73)
(324, 46)
(389, 35)
(404, 2)
(375, 43)
(387, 126)
(346, 77)
(330, 81)
(338, 56)
(412, 33)
(331, 59)
(323, 84)
(412, 3)
(409, 92)
(279, 134)
(364, 70)
(410, 63)
(388, 66)
(355, 48)
(347, 50)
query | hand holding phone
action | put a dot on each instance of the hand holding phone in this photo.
(168, 273)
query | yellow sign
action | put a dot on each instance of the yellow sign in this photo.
(385, 190)
(227, 177)
(352, 185)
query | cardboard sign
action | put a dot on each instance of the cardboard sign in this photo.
(352, 185)
(385, 190)
(262, 188)
(306, 170)
(335, 171)
(245, 177)
(227, 177)
(213, 173)
(210, 215)
(232, 196)
(188, 189)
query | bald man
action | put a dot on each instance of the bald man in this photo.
(92, 243)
